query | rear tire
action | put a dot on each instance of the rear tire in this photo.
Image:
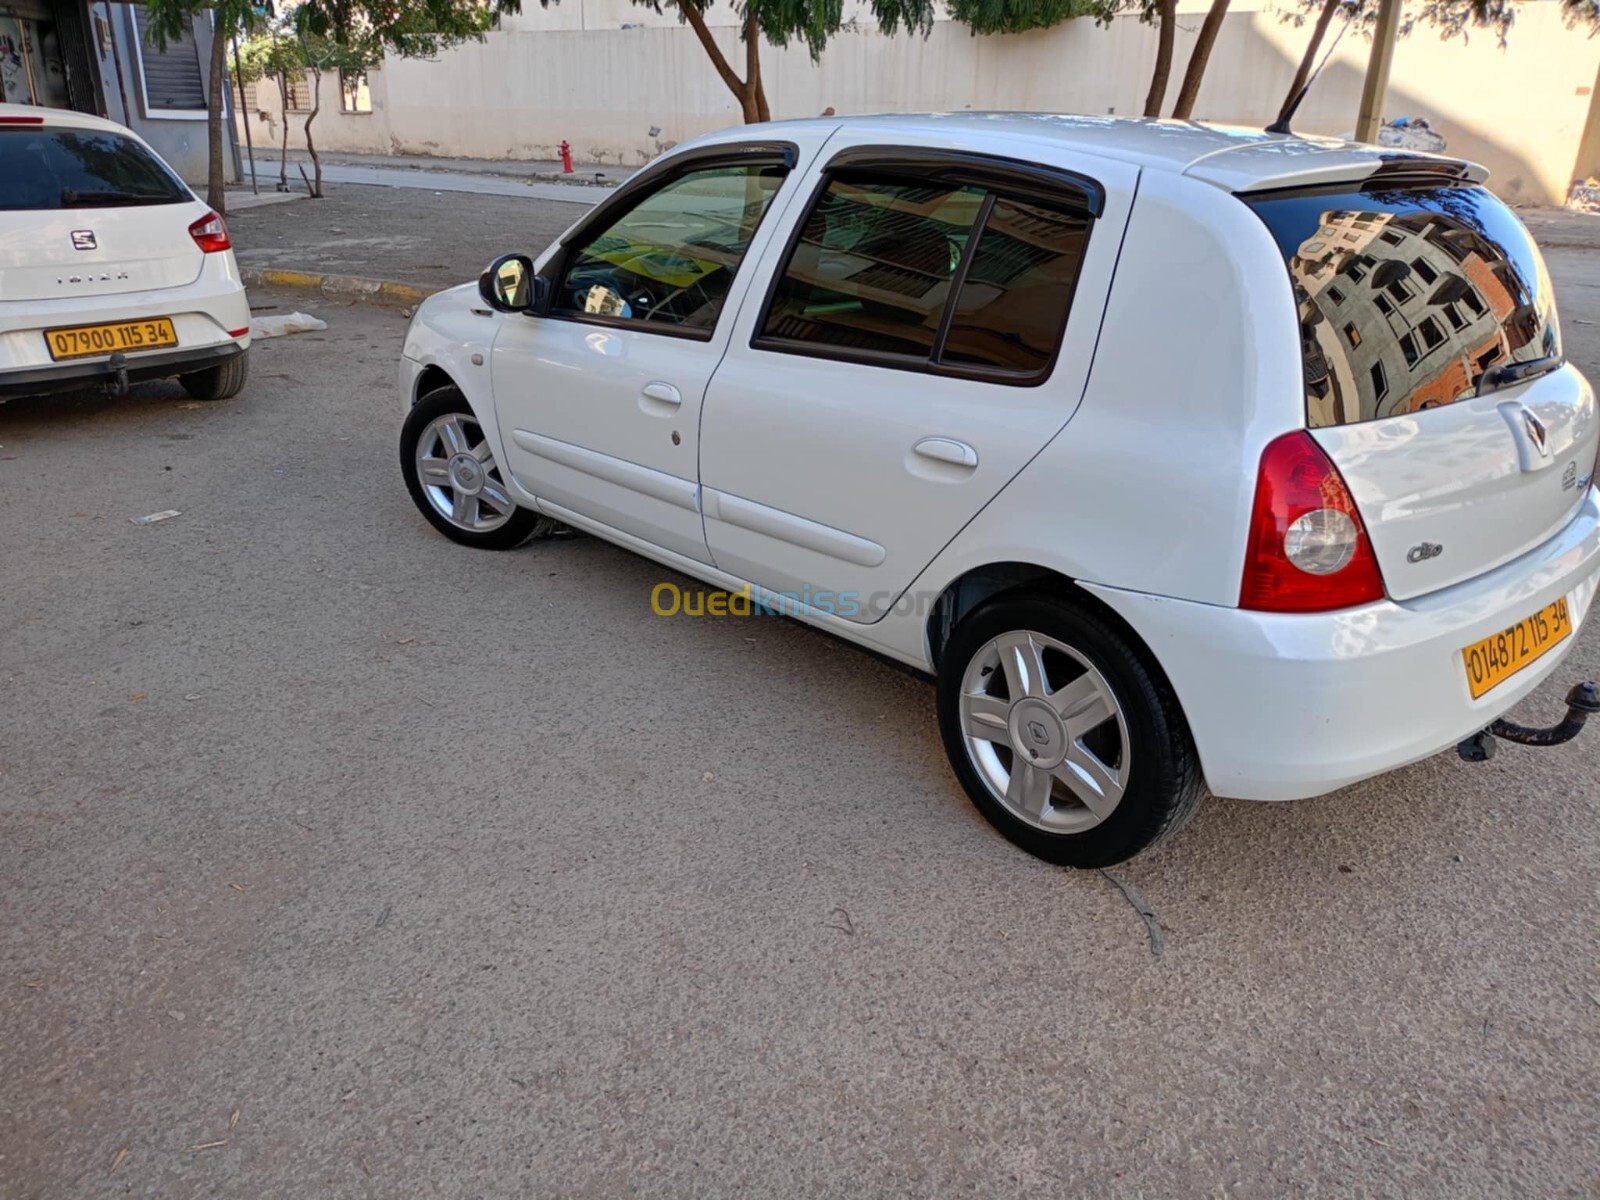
(455, 480)
(1064, 733)
(221, 382)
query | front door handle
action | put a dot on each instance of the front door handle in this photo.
(947, 450)
(663, 393)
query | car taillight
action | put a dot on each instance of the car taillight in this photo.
(1308, 550)
(21, 120)
(210, 233)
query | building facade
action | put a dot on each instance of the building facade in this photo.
(97, 58)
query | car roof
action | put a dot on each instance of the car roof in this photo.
(1231, 157)
(61, 118)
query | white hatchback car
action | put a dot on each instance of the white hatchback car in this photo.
(111, 271)
(1183, 457)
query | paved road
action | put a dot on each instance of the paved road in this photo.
(429, 179)
(341, 861)
(434, 240)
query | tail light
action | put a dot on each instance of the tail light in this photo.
(1308, 550)
(210, 233)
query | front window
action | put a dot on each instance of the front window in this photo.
(43, 168)
(1476, 297)
(669, 261)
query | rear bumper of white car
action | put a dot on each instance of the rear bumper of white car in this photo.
(211, 317)
(1285, 706)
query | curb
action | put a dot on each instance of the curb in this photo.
(341, 287)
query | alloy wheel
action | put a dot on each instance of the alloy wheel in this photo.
(1045, 732)
(459, 474)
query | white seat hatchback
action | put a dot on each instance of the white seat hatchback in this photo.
(1185, 458)
(111, 271)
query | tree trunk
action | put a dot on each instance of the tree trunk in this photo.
(1166, 30)
(311, 149)
(752, 68)
(742, 90)
(283, 155)
(216, 169)
(1198, 57)
(1308, 60)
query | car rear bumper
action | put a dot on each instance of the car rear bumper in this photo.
(67, 376)
(206, 314)
(1284, 706)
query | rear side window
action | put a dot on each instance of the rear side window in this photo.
(1411, 297)
(43, 168)
(873, 267)
(910, 273)
(1013, 304)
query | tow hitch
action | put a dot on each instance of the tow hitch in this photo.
(118, 386)
(1582, 700)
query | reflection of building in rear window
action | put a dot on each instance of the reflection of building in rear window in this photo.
(1438, 283)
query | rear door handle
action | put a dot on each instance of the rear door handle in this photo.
(665, 393)
(947, 450)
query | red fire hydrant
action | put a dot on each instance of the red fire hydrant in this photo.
(566, 158)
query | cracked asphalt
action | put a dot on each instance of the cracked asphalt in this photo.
(342, 861)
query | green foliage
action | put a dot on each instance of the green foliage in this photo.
(1019, 16)
(811, 22)
(363, 30)
(407, 28)
(169, 19)
(1449, 18)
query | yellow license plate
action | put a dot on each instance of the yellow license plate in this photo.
(1501, 655)
(86, 341)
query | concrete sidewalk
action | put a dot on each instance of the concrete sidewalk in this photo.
(483, 176)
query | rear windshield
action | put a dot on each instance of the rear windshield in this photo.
(1411, 297)
(81, 168)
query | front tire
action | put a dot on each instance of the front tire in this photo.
(454, 479)
(1063, 733)
(221, 382)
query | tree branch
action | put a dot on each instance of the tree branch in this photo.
(697, 22)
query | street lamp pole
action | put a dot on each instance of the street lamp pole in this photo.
(1376, 85)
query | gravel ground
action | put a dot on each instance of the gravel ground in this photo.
(343, 861)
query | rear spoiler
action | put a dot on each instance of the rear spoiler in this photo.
(1300, 162)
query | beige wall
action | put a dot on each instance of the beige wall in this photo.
(579, 71)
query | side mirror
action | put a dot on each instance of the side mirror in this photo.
(510, 285)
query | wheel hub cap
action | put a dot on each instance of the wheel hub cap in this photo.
(1037, 731)
(466, 474)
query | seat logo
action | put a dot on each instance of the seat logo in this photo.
(1536, 433)
(84, 239)
(1423, 551)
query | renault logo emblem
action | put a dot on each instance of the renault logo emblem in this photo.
(1536, 433)
(84, 239)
